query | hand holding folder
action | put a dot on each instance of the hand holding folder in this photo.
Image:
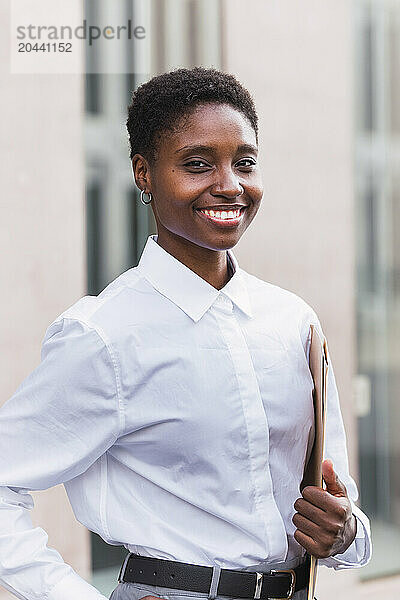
(339, 525)
(318, 363)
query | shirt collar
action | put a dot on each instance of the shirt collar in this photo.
(184, 287)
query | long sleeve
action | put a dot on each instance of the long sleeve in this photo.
(359, 552)
(62, 417)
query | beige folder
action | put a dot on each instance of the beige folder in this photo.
(313, 472)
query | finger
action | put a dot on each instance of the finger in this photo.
(310, 511)
(306, 526)
(333, 484)
(336, 510)
(320, 498)
(307, 542)
(329, 523)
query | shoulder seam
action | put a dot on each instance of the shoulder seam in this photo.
(76, 311)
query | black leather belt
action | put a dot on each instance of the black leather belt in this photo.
(197, 578)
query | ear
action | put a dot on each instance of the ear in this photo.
(141, 172)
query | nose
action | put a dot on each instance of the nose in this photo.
(227, 184)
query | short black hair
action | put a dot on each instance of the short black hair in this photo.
(158, 104)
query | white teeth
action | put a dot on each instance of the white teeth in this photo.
(222, 214)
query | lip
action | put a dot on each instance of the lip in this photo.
(228, 222)
(222, 207)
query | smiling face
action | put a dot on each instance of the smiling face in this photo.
(209, 161)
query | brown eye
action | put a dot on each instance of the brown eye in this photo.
(247, 160)
(195, 164)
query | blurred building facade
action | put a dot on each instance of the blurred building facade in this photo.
(325, 78)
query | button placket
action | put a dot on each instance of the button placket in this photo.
(256, 423)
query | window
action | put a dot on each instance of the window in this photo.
(378, 268)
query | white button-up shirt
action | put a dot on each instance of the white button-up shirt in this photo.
(177, 416)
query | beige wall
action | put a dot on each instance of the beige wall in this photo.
(296, 59)
(42, 246)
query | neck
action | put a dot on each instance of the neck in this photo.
(211, 265)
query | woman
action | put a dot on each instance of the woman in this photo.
(176, 406)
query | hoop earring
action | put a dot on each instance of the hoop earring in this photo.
(141, 197)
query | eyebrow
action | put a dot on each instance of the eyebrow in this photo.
(204, 148)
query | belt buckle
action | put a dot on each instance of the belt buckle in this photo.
(292, 583)
(257, 591)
